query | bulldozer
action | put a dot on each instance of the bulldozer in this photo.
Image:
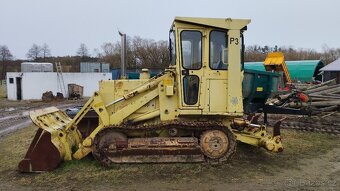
(191, 112)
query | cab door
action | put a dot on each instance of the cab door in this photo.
(191, 64)
(217, 74)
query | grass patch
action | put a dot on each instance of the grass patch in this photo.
(248, 163)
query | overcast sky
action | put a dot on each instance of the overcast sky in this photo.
(64, 24)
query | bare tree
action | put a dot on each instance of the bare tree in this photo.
(83, 51)
(34, 52)
(5, 55)
(97, 53)
(45, 51)
(109, 49)
(149, 53)
(111, 54)
(330, 54)
(258, 53)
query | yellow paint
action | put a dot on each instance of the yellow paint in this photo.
(259, 89)
(218, 96)
(54, 121)
(169, 90)
(275, 61)
(167, 82)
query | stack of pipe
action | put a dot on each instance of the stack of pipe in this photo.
(324, 96)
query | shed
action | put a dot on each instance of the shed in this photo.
(332, 71)
(301, 70)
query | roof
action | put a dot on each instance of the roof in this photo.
(302, 70)
(36, 63)
(224, 23)
(333, 66)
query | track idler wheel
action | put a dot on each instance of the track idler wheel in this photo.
(108, 141)
(217, 145)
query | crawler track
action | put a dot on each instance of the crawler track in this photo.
(107, 158)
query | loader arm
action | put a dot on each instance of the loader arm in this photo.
(115, 119)
(96, 103)
(143, 94)
(60, 133)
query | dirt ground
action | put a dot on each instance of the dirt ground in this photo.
(310, 161)
(15, 114)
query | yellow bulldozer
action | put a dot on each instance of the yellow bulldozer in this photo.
(191, 112)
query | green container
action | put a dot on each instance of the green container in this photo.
(257, 86)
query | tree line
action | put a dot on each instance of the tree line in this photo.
(144, 53)
(258, 53)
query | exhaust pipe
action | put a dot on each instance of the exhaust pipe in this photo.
(123, 55)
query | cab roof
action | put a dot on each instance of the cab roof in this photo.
(223, 23)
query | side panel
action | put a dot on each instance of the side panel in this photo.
(218, 100)
(168, 99)
(235, 100)
(110, 90)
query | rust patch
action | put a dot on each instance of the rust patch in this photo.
(119, 85)
(42, 155)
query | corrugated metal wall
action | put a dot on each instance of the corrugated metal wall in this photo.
(329, 75)
(89, 67)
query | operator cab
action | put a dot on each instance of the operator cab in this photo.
(208, 56)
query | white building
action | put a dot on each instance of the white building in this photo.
(31, 85)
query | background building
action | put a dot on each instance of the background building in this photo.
(302, 70)
(332, 71)
(31, 85)
(88, 67)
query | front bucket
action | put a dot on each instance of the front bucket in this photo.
(42, 155)
(52, 143)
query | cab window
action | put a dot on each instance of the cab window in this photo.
(218, 50)
(172, 47)
(190, 89)
(191, 47)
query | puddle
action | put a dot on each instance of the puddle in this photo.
(10, 109)
(15, 127)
